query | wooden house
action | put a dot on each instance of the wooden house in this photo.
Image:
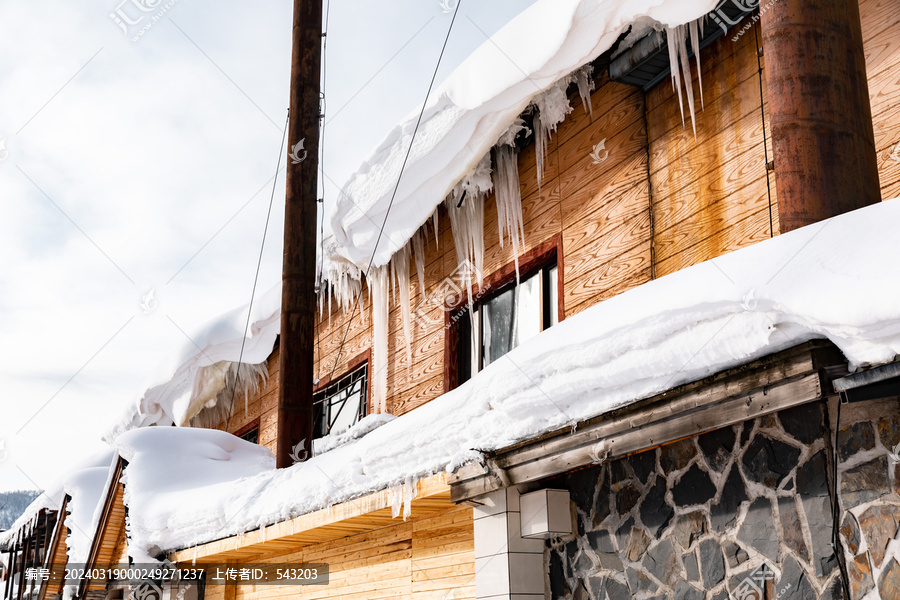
(687, 493)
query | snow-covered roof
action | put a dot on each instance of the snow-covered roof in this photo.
(471, 110)
(464, 118)
(195, 371)
(834, 280)
(86, 485)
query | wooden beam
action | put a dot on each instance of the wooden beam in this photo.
(366, 513)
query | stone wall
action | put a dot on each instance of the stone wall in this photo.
(706, 516)
(868, 446)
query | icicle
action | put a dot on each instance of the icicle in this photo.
(467, 218)
(378, 294)
(696, 28)
(671, 35)
(400, 270)
(550, 109)
(434, 217)
(681, 65)
(509, 200)
(540, 147)
(418, 243)
(585, 85)
(409, 494)
(396, 500)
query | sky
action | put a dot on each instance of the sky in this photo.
(138, 145)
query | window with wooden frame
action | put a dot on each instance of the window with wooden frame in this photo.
(251, 436)
(249, 432)
(340, 404)
(505, 317)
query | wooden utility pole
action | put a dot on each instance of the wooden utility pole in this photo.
(298, 298)
(815, 70)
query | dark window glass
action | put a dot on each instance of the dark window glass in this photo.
(251, 436)
(505, 319)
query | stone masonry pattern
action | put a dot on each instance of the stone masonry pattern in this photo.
(868, 445)
(699, 518)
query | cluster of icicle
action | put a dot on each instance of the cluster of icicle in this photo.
(497, 172)
(215, 388)
(681, 64)
(551, 107)
(402, 496)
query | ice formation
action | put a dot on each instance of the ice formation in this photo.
(378, 284)
(509, 199)
(465, 207)
(216, 387)
(681, 64)
(400, 276)
(585, 82)
(418, 244)
(550, 109)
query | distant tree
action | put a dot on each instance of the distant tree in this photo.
(13, 504)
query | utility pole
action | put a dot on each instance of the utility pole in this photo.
(298, 298)
(822, 135)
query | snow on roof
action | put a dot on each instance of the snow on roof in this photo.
(835, 279)
(174, 466)
(477, 104)
(168, 397)
(469, 112)
(86, 484)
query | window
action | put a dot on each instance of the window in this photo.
(506, 318)
(341, 404)
(251, 435)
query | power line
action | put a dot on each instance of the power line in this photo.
(396, 187)
(322, 168)
(262, 247)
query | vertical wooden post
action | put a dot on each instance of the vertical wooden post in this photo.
(818, 93)
(298, 300)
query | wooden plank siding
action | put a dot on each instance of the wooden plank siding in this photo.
(710, 194)
(881, 41)
(429, 557)
(663, 200)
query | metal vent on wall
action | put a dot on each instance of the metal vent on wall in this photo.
(646, 63)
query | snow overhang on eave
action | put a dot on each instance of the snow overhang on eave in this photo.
(359, 515)
(646, 63)
(777, 382)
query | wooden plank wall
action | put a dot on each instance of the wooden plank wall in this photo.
(430, 558)
(710, 195)
(881, 41)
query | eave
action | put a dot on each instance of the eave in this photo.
(359, 515)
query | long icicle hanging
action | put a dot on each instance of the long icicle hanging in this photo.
(400, 269)
(681, 65)
(418, 244)
(509, 199)
(585, 85)
(540, 146)
(696, 29)
(378, 292)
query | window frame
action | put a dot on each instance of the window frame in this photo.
(543, 257)
(354, 368)
(246, 429)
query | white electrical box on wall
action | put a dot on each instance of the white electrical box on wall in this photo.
(545, 514)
